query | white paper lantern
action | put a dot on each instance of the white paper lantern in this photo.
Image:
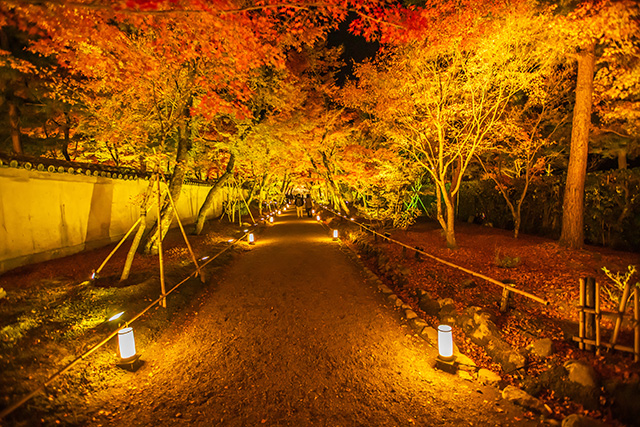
(445, 342)
(126, 343)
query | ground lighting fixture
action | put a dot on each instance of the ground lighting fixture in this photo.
(446, 361)
(127, 349)
(115, 316)
(318, 218)
(335, 234)
(251, 239)
(271, 219)
(126, 345)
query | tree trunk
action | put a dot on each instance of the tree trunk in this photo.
(261, 196)
(213, 192)
(439, 215)
(573, 207)
(337, 196)
(14, 123)
(516, 222)
(141, 228)
(450, 230)
(66, 128)
(175, 189)
(622, 158)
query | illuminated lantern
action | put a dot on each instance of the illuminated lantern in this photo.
(446, 360)
(126, 344)
(335, 234)
(279, 212)
(318, 217)
(313, 211)
(445, 342)
(251, 239)
(271, 219)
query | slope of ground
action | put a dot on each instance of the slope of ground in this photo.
(537, 265)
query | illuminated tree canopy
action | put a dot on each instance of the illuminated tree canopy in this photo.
(246, 91)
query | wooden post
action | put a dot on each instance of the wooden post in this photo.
(581, 306)
(417, 254)
(375, 236)
(163, 303)
(590, 302)
(597, 316)
(404, 251)
(504, 303)
(193, 255)
(624, 299)
(117, 247)
(636, 326)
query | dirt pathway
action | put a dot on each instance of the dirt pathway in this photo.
(293, 335)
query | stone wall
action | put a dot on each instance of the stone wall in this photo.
(46, 215)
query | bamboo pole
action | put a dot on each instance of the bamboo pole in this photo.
(581, 307)
(450, 264)
(636, 326)
(186, 240)
(605, 344)
(598, 316)
(602, 312)
(163, 302)
(145, 206)
(621, 309)
(590, 318)
(117, 246)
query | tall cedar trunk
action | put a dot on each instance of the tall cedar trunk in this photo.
(573, 207)
(14, 123)
(213, 192)
(175, 189)
(141, 228)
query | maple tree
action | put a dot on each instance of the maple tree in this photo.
(439, 100)
(523, 139)
(154, 72)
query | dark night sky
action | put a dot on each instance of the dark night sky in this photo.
(356, 48)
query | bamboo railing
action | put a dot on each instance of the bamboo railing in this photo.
(507, 290)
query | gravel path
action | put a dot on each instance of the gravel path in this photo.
(292, 334)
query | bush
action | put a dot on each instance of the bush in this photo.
(612, 207)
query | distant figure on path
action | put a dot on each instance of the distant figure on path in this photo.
(299, 205)
(308, 205)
